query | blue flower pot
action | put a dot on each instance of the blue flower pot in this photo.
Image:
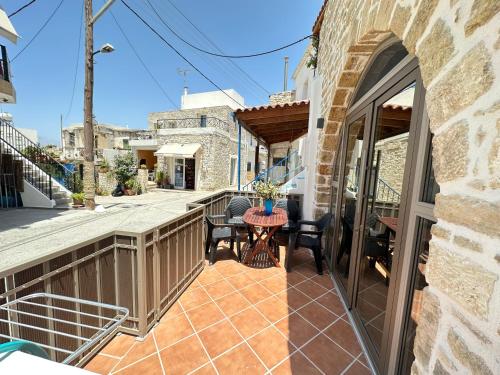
(268, 207)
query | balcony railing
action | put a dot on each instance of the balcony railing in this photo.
(144, 272)
(4, 65)
(192, 122)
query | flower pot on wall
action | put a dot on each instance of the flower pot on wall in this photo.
(268, 207)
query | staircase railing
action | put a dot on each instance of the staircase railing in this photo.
(19, 144)
(268, 173)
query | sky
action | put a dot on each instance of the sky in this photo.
(124, 93)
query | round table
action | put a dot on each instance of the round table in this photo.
(255, 218)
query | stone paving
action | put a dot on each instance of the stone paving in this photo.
(236, 319)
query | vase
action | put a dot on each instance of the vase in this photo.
(268, 207)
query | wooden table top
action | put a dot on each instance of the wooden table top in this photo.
(390, 222)
(255, 216)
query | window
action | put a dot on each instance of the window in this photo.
(71, 139)
(125, 144)
(203, 121)
(249, 166)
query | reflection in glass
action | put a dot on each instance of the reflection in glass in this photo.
(383, 193)
(354, 145)
(422, 253)
(431, 188)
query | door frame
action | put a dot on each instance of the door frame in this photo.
(183, 173)
(400, 77)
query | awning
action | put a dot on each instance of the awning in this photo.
(6, 28)
(186, 150)
(276, 123)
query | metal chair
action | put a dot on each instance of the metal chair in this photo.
(220, 232)
(310, 239)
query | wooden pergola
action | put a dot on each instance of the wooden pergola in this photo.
(275, 123)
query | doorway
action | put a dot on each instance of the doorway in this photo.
(189, 170)
(376, 233)
(179, 173)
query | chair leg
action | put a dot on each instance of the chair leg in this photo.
(213, 251)
(238, 248)
(250, 237)
(289, 250)
(318, 260)
(231, 245)
(207, 244)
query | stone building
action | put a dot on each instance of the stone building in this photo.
(108, 141)
(427, 300)
(197, 145)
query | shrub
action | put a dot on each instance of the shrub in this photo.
(78, 196)
(124, 167)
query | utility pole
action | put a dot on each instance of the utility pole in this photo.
(285, 75)
(61, 130)
(88, 126)
(88, 101)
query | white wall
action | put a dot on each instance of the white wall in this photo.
(34, 198)
(212, 99)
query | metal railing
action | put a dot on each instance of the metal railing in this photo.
(386, 193)
(273, 173)
(39, 168)
(192, 122)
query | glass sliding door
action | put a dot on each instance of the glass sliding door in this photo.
(380, 210)
(179, 174)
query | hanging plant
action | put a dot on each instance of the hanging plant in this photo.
(313, 56)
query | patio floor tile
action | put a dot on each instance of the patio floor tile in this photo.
(101, 364)
(331, 359)
(240, 360)
(219, 338)
(172, 330)
(232, 303)
(139, 351)
(297, 329)
(205, 315)
(248, 322)
(296, 364)
(317, 315)
(343, 334)
(271, 346)
(237, 319)
(150, 365)
(183, 357)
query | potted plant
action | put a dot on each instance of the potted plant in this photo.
(124, 169)
(78, 199)
(166, 181)
(268, 192)
(103, 166)
(129, 186)
(159, 178)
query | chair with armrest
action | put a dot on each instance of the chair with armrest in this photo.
(220, 232)
(285, 234)
(310, 239)
(234, 212)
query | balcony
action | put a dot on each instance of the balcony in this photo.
(7, 91)
(194, 122)
(225, 318)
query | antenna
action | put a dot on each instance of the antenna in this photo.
(183, 73)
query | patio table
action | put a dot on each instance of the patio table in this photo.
(255, 218)
(390, 222)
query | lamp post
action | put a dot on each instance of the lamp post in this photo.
(88, 128)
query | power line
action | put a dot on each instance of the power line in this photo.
(142, 62)
(21, 9)
(213, 44)
(77, 63)
(227, 56)
(39, 31)
(179, 54)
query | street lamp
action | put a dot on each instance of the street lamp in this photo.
(106, 48)
(88, 128)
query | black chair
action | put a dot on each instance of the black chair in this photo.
(283, 235)
(220, 232)
(234, 212)
(310, 239)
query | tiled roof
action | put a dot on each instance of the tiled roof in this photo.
(274, 106)
(319, 20)
(396, 106)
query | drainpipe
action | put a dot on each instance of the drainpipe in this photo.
(239, 155)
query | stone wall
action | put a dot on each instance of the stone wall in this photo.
(392, 160)
(142, 177)
(282, 97)
(106, 182)
(457, 44)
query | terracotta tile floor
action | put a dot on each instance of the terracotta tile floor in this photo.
(237, 319)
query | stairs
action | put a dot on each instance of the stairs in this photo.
(47, 183)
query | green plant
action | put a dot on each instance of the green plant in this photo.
(78, 196)
(159, 176)
(124, 167)
(266, 190)
(130, 183)
(313, 57)
(104, 165)
(101, 191)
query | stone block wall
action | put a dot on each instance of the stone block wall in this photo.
(282, 97)
(457, 44)
(106, 182)
(392, 160)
